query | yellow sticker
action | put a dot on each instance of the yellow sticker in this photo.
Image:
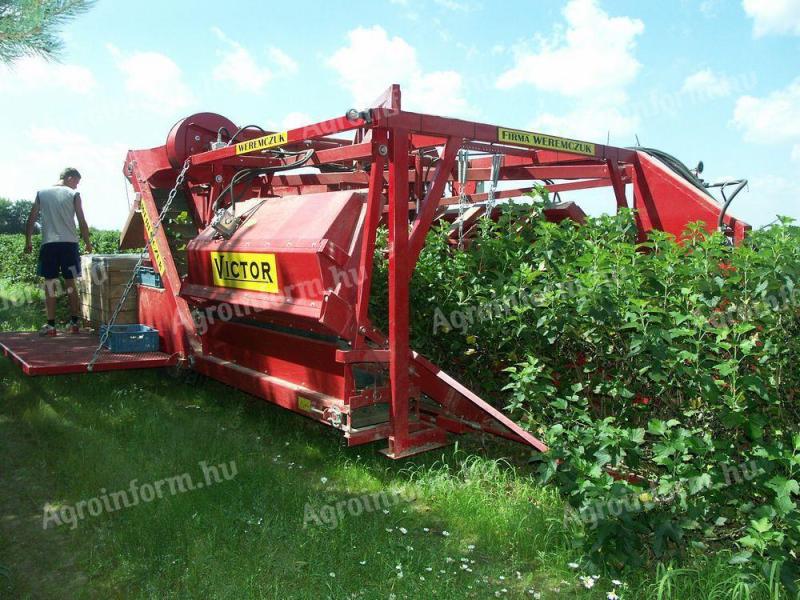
(303, 404)
(148, 226)
(547, 142)
(262, 143)
(245, 271)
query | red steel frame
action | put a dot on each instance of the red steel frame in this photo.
(392, 152)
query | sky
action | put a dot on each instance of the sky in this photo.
(710, 80)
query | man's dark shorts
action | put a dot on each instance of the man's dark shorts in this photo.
(60, 258)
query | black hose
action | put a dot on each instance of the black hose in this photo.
(241, 129)
(251, 174)
(739, 187)
(676, 166)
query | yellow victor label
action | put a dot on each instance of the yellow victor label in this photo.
(262, 143)
(547, 142)
(245, 271)
(304, 404)
(148, 227)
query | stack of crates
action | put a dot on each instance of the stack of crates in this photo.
(104, 277)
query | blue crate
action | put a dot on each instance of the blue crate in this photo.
(131, 338)
(149, 277)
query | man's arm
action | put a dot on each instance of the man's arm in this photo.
(82, 224)
(32, 218)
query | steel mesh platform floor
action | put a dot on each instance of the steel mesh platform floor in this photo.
(71, 353)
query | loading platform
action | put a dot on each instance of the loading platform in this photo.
(71, 353)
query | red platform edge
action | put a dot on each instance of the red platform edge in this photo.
(71, 353)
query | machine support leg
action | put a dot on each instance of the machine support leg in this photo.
(371, 220)
(617, 184)
(398, 289)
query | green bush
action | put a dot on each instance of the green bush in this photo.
(18, 267)
(662, 375)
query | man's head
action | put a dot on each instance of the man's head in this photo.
(70, 177)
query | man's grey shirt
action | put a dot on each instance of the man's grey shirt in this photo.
(57, 211)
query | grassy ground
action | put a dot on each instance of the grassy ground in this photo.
(476, 527)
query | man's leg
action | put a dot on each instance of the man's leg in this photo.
(74, 305)
(72, 271)
(48, 268)
(50, 296)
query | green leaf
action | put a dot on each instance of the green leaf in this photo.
(740, 558)
(761, 525)
(698, 484)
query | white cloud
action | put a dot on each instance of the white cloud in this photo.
(590, 60)
(593, 54)
(767, 196)
(796, 152)
(594, 123)
(709, 8)
(36, 164)
(454, 5)
(372, 61)
(773, 16)
(238, 65)
(154, 80)
(296, 119)
(30, 74)
(707, 84)
(283, 60)
(771, 119)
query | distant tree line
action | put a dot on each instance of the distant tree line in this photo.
(14, 215)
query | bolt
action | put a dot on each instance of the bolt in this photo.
(218, 178)
(197, 138)
(383, 149)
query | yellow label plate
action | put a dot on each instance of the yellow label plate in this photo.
(262, 143)
(245, 271)
(148, 226)
(304, 404)
(546, 142)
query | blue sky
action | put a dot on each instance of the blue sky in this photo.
(701, 79)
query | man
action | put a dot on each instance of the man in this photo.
(58, 206)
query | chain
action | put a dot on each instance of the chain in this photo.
(463, 163)
(145, 252)
(490, 203)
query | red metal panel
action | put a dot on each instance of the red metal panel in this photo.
(299, 360)
(156, 311)
(665, 201)
(313, 239)
(296, 398)
(178, 308)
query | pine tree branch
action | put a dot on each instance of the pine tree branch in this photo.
(30, 27)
